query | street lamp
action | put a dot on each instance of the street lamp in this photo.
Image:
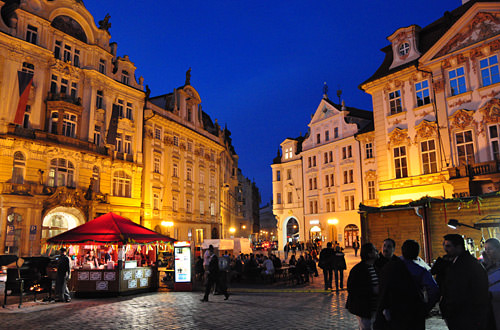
(454, 223)
(167, 224)
(232, 230)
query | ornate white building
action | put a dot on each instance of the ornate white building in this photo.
(318, 181)
(436, 107)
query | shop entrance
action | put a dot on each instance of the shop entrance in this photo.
(61, 219)
(351, 234)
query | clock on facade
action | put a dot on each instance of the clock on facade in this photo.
(404, 48)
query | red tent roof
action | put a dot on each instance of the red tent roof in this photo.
(109, 228)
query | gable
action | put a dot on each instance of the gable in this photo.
(325, 110)
(481, 22)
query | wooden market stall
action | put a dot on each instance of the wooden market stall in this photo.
(131, 245)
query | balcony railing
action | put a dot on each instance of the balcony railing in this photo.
(485, 168)
(64, 97)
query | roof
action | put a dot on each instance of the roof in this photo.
(427, 37)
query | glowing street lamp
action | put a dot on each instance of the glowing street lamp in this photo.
(168, 224)
(232, 230)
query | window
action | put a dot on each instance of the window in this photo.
(31, 34)
(176, 140)
(489, 70)
(212, 180)
(122, 184)
(119, 107)
(157, 133)
(61, 173)
(369, 150)
(326, 158)
(26, 118)
(174, 204)
(314, 160)
(67, 53)
(327, 180)
(212, 208)
(69, 125)
(18, 168)
(288, 153)
(313, 206)
(289, 174)
(422, 93)
(278, 198)
(128, 144)
(190, 146)
(57, 49)
(102, 66)
(54, 119)
(336, 132)
(189, 174)
(315, 183)
(395, 102)
(318, 138)
(278, 175)
(95, 180)
(202, 177)
(310, 183)
(347, 152)
(349, 203)
(188, 205)
(330, 154)
(28, 68)
(129, 111)
(400, 163)
(76, 58)
(290, 197)
(309, 161)
(119, 143)
(351, 176)
(465, 148)
(99, 98)
(429, 160)
(404, 48)
(202, 207)
(457, 81)
(332, 182)
(74, 90)
(494, 141)
(327, 203)
(175, 170)
(156, 201)
(64, 86)
(97, 134)
(125, 77)
(348, 176)
(189, 115)
(371, 189)
(327, 135)
(54, 84)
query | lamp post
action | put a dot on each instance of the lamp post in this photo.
(454, 224)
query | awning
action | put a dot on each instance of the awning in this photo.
(221, 244)
(111, 229)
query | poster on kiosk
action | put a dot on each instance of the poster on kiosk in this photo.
(182, 256)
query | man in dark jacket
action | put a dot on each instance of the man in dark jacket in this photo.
(465, 293)
(213, 276)
(339, 266)
(63, 276)
(326, 258)
(363, 288)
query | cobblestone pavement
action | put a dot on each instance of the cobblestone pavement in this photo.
(184, 310)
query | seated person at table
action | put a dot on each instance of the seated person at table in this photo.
(311, 265)
(292, 261)
(91, 259)
(267, 267)
(301, 273)
(236, 269)
(250, 268)
(276, 262)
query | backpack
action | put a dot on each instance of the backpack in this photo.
(224, 263)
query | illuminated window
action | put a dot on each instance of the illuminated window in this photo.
(429, 159)
(494, 141)
(212, 208)
(18, 168)
(465, 147)
(400, 162)
(61, 173)
(371, 189)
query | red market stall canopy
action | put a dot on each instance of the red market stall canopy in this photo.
(109, 229)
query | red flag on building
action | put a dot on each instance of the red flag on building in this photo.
(25, 81)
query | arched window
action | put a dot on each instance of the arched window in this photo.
(61, 173)
(18, 168)
(122, 184)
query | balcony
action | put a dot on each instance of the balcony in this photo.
(476, 170)
(124, 156)
(65, 98)
(55, 138)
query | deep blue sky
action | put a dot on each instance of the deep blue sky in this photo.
(259, 66)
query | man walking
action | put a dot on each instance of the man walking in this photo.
(213, 275)
(326, 260)
(63, 276)
(465, 300)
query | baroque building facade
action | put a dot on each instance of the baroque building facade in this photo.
(318, 180)
(72, 131)
(436, 107)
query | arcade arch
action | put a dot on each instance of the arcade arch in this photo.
(61, 219)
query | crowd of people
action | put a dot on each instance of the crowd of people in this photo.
(390, 292)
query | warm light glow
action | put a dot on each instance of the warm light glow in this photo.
(294, 226)
(232, 230)
(314, 222)
(333, 221)
(167, 223)
(244, 227)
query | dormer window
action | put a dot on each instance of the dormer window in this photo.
(32, 34)
(404, 49)
(125, 77)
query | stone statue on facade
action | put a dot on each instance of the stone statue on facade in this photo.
(105, 24)
(188, 77)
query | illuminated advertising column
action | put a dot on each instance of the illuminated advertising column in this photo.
(182, 255)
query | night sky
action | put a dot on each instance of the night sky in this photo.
(260, 66)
